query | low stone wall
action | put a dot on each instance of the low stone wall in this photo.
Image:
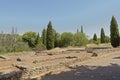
(41, 69)
(27, 73)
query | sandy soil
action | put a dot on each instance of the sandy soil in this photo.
(105, 67)
(102, 67)
(6, 66)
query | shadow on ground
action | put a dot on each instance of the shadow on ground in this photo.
(116, 57)
(111, 72)
(15, 75)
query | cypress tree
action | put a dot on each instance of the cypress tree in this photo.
(81, 29)
(102, 36)
(44, 36)
(95, 37)
(37, 40)
(49, 37)
(114, 32)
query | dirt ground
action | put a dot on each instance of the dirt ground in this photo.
(103, 67)
(6, 65)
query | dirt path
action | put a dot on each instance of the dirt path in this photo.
(105, 67)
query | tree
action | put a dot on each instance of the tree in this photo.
(67, 39)
(80, 39)
(56, 38)
(30, 38)
(44, 36)
(95, 37)
(37, 40)
(81, 29)
(49, 37)
(102, 39)
(107, 39)
(114, 32)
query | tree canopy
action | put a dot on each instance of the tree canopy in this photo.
(114, 32)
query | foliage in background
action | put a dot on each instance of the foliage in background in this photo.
(102, 36)
(114, 32)
(82, 29)
(67, 39)
(107, 39)
(80, 39)
(44, 36)
(49, 37)
(30, 38)
(12, 42)
(95, 37)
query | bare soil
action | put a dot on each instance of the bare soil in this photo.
(102, 67)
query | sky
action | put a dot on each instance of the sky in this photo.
(65, 15)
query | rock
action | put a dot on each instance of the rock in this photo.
(21, 66)
(20, 59)
(70, 57)
(35, 61)
(50, 54)
(4, 57)
(94, 54)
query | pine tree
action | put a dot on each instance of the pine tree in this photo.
(44, 36)
(95, 37)
(49, 37)
(81, 29)
(102, 36)
(114, 32)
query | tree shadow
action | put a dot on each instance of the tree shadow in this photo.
(15, 75)
(111, 72)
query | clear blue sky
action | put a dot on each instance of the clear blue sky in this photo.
(66, 15)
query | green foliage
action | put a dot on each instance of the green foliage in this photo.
(50, 37)
(97, 42)
(80, 39)
(21, 46)
(12, 43)
(30, 38)
(102, 36)
(114, 32)
(95, 37)
(107, 39)
(44, 36)
(81, 29)
(67, 39)
(37, 40)
(57, 40)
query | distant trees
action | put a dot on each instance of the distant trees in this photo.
(81, 29)
(80, 39)
(114, 32)
(49, 36)
(95, 37)
(102, 39)
(44, 36)
(34, 41)
(67, 39)
(30, 38)
(37, 40)
(57, 40)
(107, 39)
(12, 42)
